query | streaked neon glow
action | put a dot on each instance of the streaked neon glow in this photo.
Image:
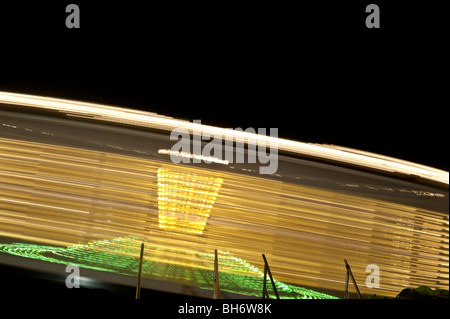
(185, 200)
(155, 121)
(304, 231)
(120, 256)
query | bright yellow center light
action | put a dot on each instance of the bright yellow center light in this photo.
(185, 200)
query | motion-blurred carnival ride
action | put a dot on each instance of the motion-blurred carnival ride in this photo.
(85, 184)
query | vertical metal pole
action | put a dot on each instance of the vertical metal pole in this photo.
(216, 294)
(270, 276)
(346, 284)
(264, 282)
(138, 287)
(353, 278)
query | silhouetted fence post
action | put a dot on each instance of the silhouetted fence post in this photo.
(350, 274)
(216, 294)
(267, 271)
(138, 287)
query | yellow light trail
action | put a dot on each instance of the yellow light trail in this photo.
(65, 196)
(185, 200)
(155, 121)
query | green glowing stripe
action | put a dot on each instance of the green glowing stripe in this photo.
(120, 256)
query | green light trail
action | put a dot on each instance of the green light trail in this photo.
(120, 255)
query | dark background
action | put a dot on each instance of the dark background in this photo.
(313, 69)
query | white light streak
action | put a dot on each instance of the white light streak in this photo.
(152, 120)
(192, 156)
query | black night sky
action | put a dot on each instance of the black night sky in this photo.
(313, 71)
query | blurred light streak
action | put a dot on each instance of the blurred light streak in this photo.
(47, 206)
(118, 255)
(155, 121)
(306, 232)
(193, 156)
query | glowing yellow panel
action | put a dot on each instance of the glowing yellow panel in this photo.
(185, 200)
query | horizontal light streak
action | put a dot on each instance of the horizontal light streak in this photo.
(305, 232)
(41, 205)
(193, 156)
(152, 120)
